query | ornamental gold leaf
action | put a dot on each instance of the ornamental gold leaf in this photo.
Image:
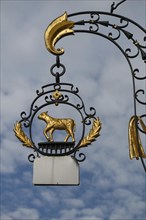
(93, 133)
(19, 133)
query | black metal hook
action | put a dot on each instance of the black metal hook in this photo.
(114, 7)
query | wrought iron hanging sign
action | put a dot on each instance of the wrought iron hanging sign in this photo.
(74, 135)
(57, 94)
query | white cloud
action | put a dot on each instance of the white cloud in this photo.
(73, 202)
(50, 197)
(21, 213)
(67, 214)
(12, 155)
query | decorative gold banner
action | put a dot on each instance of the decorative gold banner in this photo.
(136, 149)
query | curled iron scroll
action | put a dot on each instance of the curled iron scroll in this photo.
(94, 24)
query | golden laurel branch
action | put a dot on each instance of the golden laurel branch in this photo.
(93, 134)
(19, 133)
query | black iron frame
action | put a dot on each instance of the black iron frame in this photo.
(65, 89)
(92, 26)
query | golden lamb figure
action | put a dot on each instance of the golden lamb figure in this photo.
(53, 124)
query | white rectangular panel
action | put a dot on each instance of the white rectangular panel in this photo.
(62, 170)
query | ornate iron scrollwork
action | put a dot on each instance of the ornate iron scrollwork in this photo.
(57, 94)
(100, 24)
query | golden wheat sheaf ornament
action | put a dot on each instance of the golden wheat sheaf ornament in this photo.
(93, 133)
(19, 133)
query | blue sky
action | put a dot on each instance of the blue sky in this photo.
(112, 186)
